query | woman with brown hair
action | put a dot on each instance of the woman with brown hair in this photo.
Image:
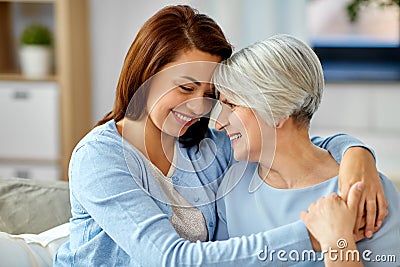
(143, 182)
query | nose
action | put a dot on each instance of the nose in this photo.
(222, 113)
(199, 106)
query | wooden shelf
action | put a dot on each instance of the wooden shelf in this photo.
(29, 1)
(69, 22)
(20, 77)
(29, 161)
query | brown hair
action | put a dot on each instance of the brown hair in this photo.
(170, 31)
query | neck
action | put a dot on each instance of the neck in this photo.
(155, 145)
(297, 162)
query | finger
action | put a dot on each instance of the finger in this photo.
(382, 210)
(303, 216)
(333, 195)
(312, 206)
(359, 235)
(360, 212)
(360, 216)
(359, 230)
(362, 224)
(344, 192)
(370, 219)
(354, 197)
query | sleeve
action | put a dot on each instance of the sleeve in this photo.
(105, 187)
(338, 144)
(384, 247)
(221, 231)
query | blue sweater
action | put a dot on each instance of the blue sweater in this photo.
(249, 206)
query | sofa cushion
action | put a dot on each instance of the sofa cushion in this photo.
(32, 206)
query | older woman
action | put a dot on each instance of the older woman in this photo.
(273, 88)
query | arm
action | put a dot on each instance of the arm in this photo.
(334, 214)
(221, 231)
(357, 163)
(144, 232)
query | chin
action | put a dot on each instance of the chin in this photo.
(181, 132)
(240, 156)
(174, 132)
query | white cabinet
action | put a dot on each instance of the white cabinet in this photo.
(29, 120)
(29, 129)
(42, 120)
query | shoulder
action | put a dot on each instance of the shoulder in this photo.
(237, 178)
(393, 197)
(103, 152)
(386, 240)
(101, 145)
(106, 133)
(104, 141)
(390, 189)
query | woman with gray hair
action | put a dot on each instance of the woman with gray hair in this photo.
(273, 89)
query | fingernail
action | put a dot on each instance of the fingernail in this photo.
(360, 186)
(378, 224)
(369, 234)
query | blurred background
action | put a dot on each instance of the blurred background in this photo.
(361, 61)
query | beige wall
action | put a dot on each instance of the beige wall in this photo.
(369, 111)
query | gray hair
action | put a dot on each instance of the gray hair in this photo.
(278, 78)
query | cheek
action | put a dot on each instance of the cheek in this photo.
(159, 114)
(237, 121)
(250, 125)
(254, 136)
(163, 105)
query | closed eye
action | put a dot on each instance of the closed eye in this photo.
(208, 94)
(186, 88)
(229, 104)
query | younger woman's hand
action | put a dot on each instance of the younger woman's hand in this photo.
(358, 164)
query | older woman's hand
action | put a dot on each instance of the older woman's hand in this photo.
(334, 214)
(358, 164)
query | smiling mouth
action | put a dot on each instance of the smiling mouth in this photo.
(235, 137)
(184, 119)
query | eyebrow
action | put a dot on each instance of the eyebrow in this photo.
(192, 79)
(223, 100)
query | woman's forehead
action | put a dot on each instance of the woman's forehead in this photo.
(195, 71)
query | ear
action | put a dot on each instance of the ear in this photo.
(281, 123)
